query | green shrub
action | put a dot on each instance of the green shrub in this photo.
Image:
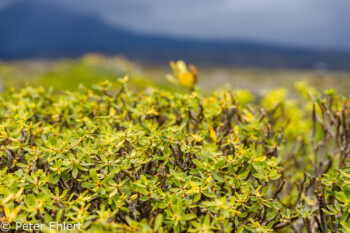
(158, 161)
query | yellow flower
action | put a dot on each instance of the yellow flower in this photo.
(212, 134)
(274, 97)
(186, 77)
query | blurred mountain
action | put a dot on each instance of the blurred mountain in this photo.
(41, 29)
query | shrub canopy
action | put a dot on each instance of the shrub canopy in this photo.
(158, 161)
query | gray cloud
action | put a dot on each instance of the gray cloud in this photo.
(321, 23)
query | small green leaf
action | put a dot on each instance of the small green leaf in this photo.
(75, 172)
(93, 175)
(220, 163)
(158, 221)
(188, 217)
(88, 185)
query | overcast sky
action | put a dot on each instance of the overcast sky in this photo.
(323, 23)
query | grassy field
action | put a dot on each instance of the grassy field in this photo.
(67, 74)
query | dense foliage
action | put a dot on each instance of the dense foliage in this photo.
(157, 161)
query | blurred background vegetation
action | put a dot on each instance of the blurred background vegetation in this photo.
(92, 68)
